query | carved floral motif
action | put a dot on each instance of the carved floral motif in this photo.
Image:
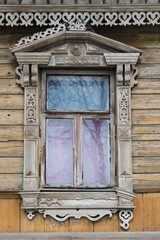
(31, 106)
(123, 106)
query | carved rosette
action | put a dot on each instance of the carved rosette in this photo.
(123, 106)
(31, 106)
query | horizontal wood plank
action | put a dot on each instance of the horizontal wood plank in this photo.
(6, 56)
(11, 133)
(146, 164)
(10, 86)
(11, 165)
(145, 181)
(146, 132)
(11, 149)
(145, 102)
(145, 116)
(11, 181)
(11, 102)
(149, 71)
(145, 148)
(8, 71)
(147, 86)
(150, 56)
(11, 117)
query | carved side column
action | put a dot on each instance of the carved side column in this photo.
(124, 153)
(30, 127)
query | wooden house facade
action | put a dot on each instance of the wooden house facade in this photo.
(116, 42)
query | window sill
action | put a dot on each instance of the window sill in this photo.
(92, 204)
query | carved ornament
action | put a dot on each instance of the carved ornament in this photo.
(125, 216)
(91, 214)
(124, 106)
(78, 21)
(31, 106)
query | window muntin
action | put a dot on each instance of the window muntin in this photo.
(81, 167)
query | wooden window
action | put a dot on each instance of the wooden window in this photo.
(77, 129)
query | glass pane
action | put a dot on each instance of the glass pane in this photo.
(59, 151)
(96, 152)
(78, 93)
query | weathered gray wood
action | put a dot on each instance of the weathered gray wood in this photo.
(146, 181)
(11, 149)
(68, 2)
(138, 2)
(110, 2)
(147, 86)
(145, 148)
(26, 2)
(10, 86)
(149, 71)
(153, 2)
(11, 133)
(82, 2)
(11, 165)
(145, 116)
(41, 2)
(11, 117)
(10, 181)
(12, 2)
(126, 2)
(146, 164)
(145, 101)
(55, 2)
(96, 1)
(11, 102)
(8, 71)
(150, 132)
(150, 55)
(6, 56)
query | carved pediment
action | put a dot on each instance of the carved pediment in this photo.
(76, 43)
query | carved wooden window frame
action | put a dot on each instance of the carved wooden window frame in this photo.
(109, 114)
(122, 59)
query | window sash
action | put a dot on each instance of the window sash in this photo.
(78, 116)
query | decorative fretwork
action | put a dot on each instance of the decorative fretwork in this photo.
(30, 214)
(125, 216)
(80, 19)
(31, 106)
(123, 106)
(91, 214)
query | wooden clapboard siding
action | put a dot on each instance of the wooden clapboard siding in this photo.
(11, 102)
(11, 133)
(11, 149)
(11, 117)
(11, 165)
(147, 86)
(146, 218)
(146, 181)
(147, 116)
(8, 71)
(10, 86)
(146, 164)
(10, 181)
